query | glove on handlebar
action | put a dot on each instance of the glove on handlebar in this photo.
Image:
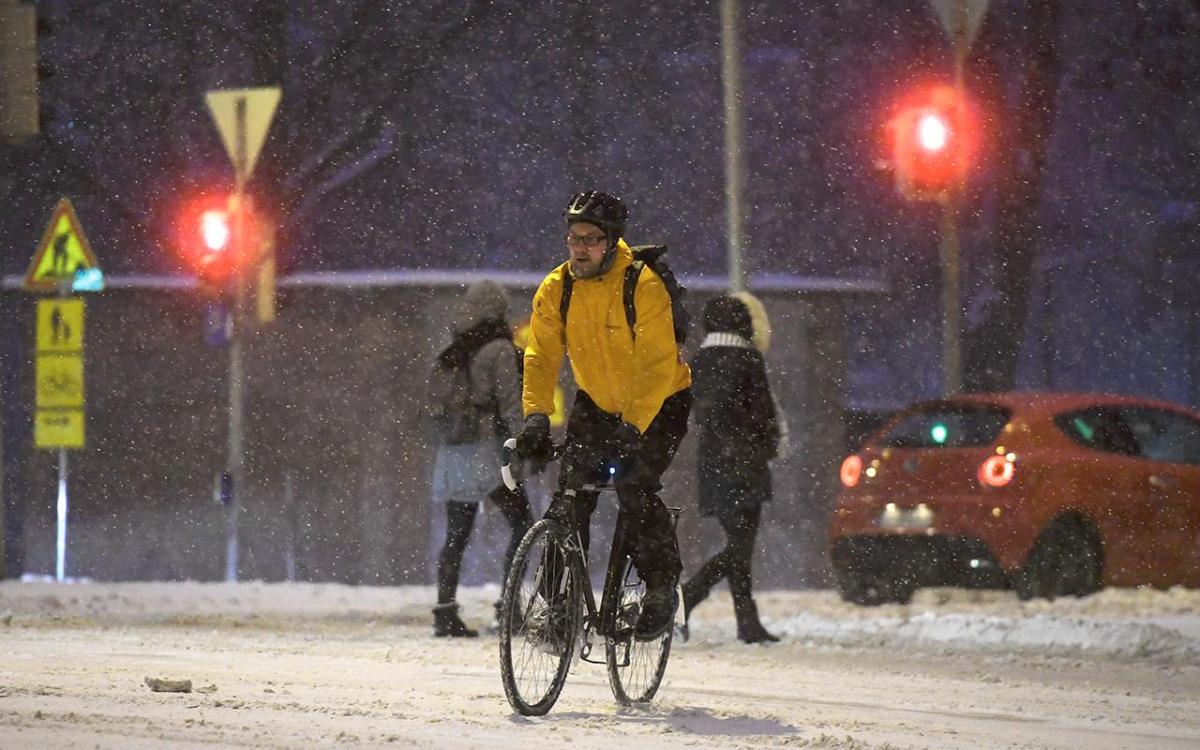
(534, 440)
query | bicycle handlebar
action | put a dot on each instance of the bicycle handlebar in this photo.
(508, 452)
(509, 456)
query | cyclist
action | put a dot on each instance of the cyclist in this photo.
(634, 390)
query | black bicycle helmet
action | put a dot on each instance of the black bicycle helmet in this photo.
(603, 210)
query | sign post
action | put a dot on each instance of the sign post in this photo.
(62, 257)
(242, 117)
(58, 419)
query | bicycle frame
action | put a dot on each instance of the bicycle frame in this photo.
(635, 668)
(600, 619)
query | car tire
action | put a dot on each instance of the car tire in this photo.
(870, 589)
(1065, 561)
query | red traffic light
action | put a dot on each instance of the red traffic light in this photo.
(209, 244)
(933, 132)
(216, 227)
(934, 139)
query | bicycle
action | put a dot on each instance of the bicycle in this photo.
(548, 605)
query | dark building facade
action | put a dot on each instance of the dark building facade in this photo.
(337, 473)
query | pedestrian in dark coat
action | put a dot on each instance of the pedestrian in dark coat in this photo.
(739, 435)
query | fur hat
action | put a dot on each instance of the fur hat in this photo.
(727, 314)
(484, 300)
(762, 324)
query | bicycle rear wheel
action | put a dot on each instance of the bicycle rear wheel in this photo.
(635, 668)
(539, 620)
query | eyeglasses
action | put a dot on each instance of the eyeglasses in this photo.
(587, 240)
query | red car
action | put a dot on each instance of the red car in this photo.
(1051, 494)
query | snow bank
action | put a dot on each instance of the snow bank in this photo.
(1122, 623)
(1047, 633)
(1131, 623)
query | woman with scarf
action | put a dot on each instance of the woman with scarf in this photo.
(475, 396)
(740, 432)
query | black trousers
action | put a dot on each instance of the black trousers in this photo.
(589, 459)
(733, 562)
(460, 519)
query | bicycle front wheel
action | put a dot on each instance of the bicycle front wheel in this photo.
(635, 668)
(539, 620)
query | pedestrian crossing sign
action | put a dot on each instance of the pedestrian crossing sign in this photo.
(64, 249)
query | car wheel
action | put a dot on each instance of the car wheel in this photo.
(1065, 561)
(872, 588)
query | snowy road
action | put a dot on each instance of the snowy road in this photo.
(333, 666)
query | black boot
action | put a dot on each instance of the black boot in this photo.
(658, 611)
(749, 629)
(694, 592)
(447, 623)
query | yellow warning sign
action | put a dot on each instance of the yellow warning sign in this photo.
(58, 428)
(58, 380)
(63, 251)
(59, 326)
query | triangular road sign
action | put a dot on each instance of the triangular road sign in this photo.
(64, 249)
(242, 117)
(961, 19)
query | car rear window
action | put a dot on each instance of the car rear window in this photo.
(947, 426)
(1099, 428)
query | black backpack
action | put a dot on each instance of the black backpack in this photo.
(643, 255)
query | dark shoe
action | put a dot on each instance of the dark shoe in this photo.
(755, 633)
(692, 595)
(447, 623)
(749, 628)
(682, 631)
(658, 613)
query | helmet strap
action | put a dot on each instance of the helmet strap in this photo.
(610, 255)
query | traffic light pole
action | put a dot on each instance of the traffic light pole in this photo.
(242, 116)
(951, 309)
(735, 170)
(948, 250)
(235, 460)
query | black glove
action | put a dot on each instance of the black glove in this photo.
(506, 499)
(534, 440)
(626, 440)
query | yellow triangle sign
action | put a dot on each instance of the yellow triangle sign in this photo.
(64, 249)
(243, 117)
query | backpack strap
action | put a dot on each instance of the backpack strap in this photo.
(631, 279)
(564, 303)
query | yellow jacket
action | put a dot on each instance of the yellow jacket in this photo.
(625, 375)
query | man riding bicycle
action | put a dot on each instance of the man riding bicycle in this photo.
(634, 390)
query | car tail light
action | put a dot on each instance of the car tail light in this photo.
(996, 471)
(851, 470)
